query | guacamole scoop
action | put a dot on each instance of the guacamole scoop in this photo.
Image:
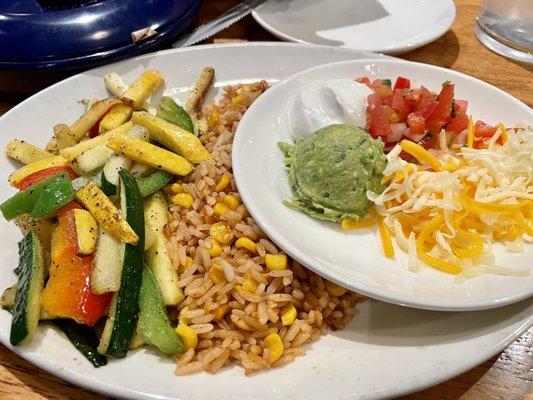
(331, 170)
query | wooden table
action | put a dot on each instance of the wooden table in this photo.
(506, 376)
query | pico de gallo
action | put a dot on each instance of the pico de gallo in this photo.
(399, 111)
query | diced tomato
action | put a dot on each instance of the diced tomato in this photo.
(377, 120)
(402, 83)
(460, 106)
(383, 91)
(429, 141)
(38, 176)
(376, 83)
(434, 126)
(399, 103)
(445, 99)
(414, 97)
(426, 106)
(416, 123)
(392, 115)
(483, 130)
(364, 80)
(458, 123)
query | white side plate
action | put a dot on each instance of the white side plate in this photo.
(384, 26)
(354, 259)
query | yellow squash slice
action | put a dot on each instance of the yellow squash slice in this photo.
(173, 137)
(149, 154)
(105, 213)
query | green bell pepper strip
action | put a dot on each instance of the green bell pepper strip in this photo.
(24, 201)
(153, 324)
(171, 112)
(152, 183)
(53, 197)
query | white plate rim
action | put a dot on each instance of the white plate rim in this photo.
(272, 233)
(121, 392)
(394, 49)
(92, 384)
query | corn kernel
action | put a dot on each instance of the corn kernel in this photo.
(221, 232)
(216, 273)
(288, 315)
(221, 311)
(212, 119)
(182, 199)
(231, 201)
(182, 319)
(187, 335)
(244, 89)
(274, 343)
(220, 209)
(249, 285)
(176, 188)
(237, 99)
(222, 183)
(245, 243)
(188, 262)
(215, 250)
(334, 289)
(276, 261)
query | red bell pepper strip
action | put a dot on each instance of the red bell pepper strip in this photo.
(95, 129)
(38, 176)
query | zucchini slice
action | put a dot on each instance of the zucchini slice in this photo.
(124, 309)
(140, 170)
(167, 277)
(81, 181)
(91, 159)
(107, 265)
(110, 179)
(84, 340)
(27, 306)
(157, 258)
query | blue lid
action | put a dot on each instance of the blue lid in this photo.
(43, 34)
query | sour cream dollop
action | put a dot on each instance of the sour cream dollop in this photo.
(333, 101)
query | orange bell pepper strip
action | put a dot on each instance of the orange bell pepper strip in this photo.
(68, 291)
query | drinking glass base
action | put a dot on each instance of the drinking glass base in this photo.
(502, 49)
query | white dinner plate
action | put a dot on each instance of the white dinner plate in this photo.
(386, 351)
(354, 259)
(384, 26)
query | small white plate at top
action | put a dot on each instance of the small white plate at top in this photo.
(384, 26)
(354, 259)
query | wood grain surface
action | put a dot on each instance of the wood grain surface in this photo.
(509, 375)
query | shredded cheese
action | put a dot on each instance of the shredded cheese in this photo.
(448, 209)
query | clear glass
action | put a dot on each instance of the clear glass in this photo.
(506, 27)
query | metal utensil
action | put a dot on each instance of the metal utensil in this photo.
(220, 23)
